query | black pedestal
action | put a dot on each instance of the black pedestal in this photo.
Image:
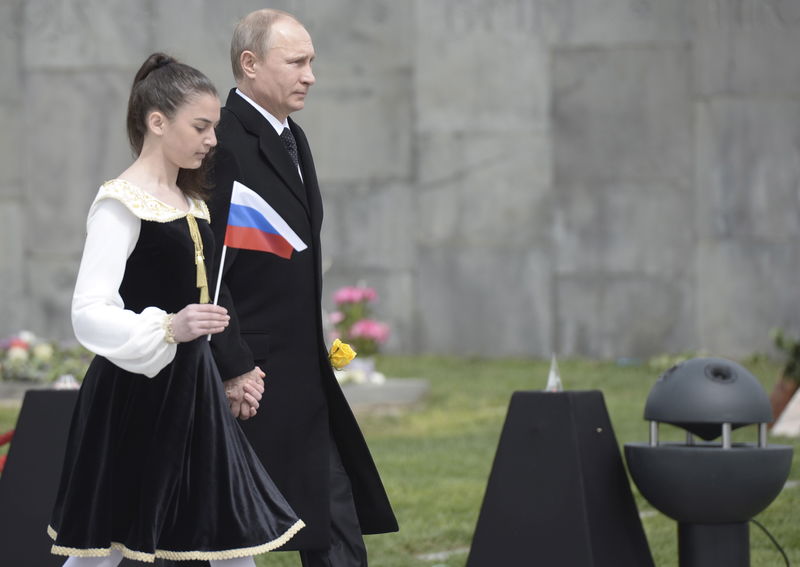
(29, 482)
(558, 493)
(700, 545)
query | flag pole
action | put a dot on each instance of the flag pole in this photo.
(219, 279)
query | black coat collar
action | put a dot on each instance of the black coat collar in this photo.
(270, 144)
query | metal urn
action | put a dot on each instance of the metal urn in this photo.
(712, 487)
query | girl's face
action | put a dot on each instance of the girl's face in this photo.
(189, 135)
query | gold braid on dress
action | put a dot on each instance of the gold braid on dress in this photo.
(199, 260)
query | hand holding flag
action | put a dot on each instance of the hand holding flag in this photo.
(254, 225)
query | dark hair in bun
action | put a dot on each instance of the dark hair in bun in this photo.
(164, 84)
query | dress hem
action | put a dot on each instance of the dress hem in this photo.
(174, 555)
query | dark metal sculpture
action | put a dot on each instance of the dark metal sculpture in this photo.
(712, 489)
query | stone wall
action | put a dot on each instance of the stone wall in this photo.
(13, 306)
(591, 177)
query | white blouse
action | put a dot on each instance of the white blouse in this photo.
(133, 341)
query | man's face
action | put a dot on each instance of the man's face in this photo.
(282, 78)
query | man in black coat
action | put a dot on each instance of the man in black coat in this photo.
(304, 431)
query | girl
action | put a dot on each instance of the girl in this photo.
(156, 465)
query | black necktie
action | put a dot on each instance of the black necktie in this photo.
(291, 145)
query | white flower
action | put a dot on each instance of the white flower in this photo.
(17, 354)
(377, 378)
(26, 336)
(347, 376)
(342, 376)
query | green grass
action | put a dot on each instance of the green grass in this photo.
(435, 459)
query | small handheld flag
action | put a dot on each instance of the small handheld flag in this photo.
(254, 225)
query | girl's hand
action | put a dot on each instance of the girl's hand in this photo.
(199, 319)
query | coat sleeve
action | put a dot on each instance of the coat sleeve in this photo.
(133, 341)
(231, 353)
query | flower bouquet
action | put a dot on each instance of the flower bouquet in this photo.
(353, 324)
(26, 357)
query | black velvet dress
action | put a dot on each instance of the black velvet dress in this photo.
(158, 467)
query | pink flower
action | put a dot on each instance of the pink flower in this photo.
(347, 294)
(354, 294)
(370, 329)
(336, 317)
(17, 342)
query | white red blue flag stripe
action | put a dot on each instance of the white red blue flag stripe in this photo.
(254, 225)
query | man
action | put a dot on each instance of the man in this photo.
(304, 431)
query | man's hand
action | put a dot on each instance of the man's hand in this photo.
(244, 392)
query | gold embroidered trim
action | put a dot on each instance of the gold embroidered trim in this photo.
(199, 260)
(169, 332)
(177, 555)
(146, 207)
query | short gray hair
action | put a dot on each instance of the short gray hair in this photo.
(252, 33)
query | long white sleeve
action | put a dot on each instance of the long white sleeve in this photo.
(133, 341)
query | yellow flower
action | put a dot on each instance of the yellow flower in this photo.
(42, 351)
(341, 354)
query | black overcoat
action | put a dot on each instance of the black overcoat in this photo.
(276, 323)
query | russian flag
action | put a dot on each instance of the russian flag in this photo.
(254, 225)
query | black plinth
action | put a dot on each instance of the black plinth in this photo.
(558, 493)
(701, 545)
(29, 482)
(30, 479)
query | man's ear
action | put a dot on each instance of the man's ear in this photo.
(156, 122)
(248, 60)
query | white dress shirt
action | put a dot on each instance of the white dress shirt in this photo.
(133, 341)
(277, 124)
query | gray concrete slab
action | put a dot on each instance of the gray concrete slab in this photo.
(746, 48)
(14, 306)
(90, 33)
(392, 396)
